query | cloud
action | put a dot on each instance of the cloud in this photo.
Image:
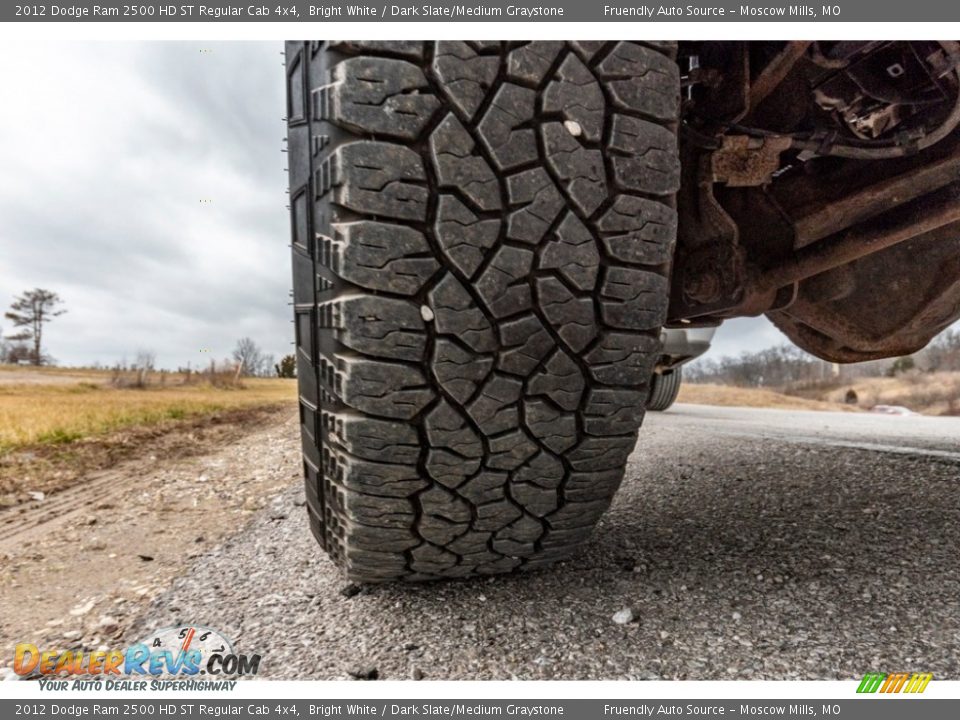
(745, 334)
(145, 184)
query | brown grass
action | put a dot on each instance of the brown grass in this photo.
(49, 468)
(77, 404)
(926, 393)
(750, 397)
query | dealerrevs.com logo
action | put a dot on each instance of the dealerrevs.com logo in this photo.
(172, 658)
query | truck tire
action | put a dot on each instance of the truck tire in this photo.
(664, 389)
(482, 236)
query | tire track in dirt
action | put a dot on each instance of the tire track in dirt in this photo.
(77, 564)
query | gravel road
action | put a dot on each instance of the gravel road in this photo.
(739, 554)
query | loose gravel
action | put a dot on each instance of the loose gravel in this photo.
(737, 558)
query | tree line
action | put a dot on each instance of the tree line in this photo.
(788, 365)
(31, 311)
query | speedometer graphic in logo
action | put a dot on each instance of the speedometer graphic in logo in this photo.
(187, 648)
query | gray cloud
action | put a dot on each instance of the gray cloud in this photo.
(108, 150)
(745, 334)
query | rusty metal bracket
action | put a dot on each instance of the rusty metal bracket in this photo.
(746, 161)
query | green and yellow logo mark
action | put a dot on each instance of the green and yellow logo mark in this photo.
(895, 682)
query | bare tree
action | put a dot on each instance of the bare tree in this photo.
(31, 311)
(944, 352)
(250, 358)
(771, 367)
(144, 364)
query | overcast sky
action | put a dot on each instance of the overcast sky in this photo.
(106, 152)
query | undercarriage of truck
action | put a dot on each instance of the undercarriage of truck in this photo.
(821, 187)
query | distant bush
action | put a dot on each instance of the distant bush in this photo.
(287, 367)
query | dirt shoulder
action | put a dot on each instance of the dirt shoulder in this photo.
(45, 469)
(77, 564)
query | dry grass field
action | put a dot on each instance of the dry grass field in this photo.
(924, 393)
(57, 426)
(935, 393)
(54, 406)
(729, 395)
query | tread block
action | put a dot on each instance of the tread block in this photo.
(573, 254)
(377, 539)
(407, 48)
(509, 143)
(380, 388)
(652, 160)
(532, 61)
(379, 256)
(525, 343)
(495, 515)
(540, 203)
(484, 487)
(571, 316)
(643, 80)
(466, 75)
(560, 380)
(494, 410)
(380, 178)
(579, 168)
(456, 314)
(452, 152)
(373, 439)
(638, 230)
(431, 559)
(440, 531)
(371, 478)
(510, 451)
(634, 299)
(471, 544)
(596, 453)
(544, 470)
(458, 371)
(536, 500)
(588, 486)
(576, 93)
(525, 529)
(449, 469)
(464, 237)
(586, 49)
(447, 428)
(503, 285)
(609, 412)
(440, 502)
(378, 326)
(623, 358)
(379, 512)
(379, 95)
(556, 430)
